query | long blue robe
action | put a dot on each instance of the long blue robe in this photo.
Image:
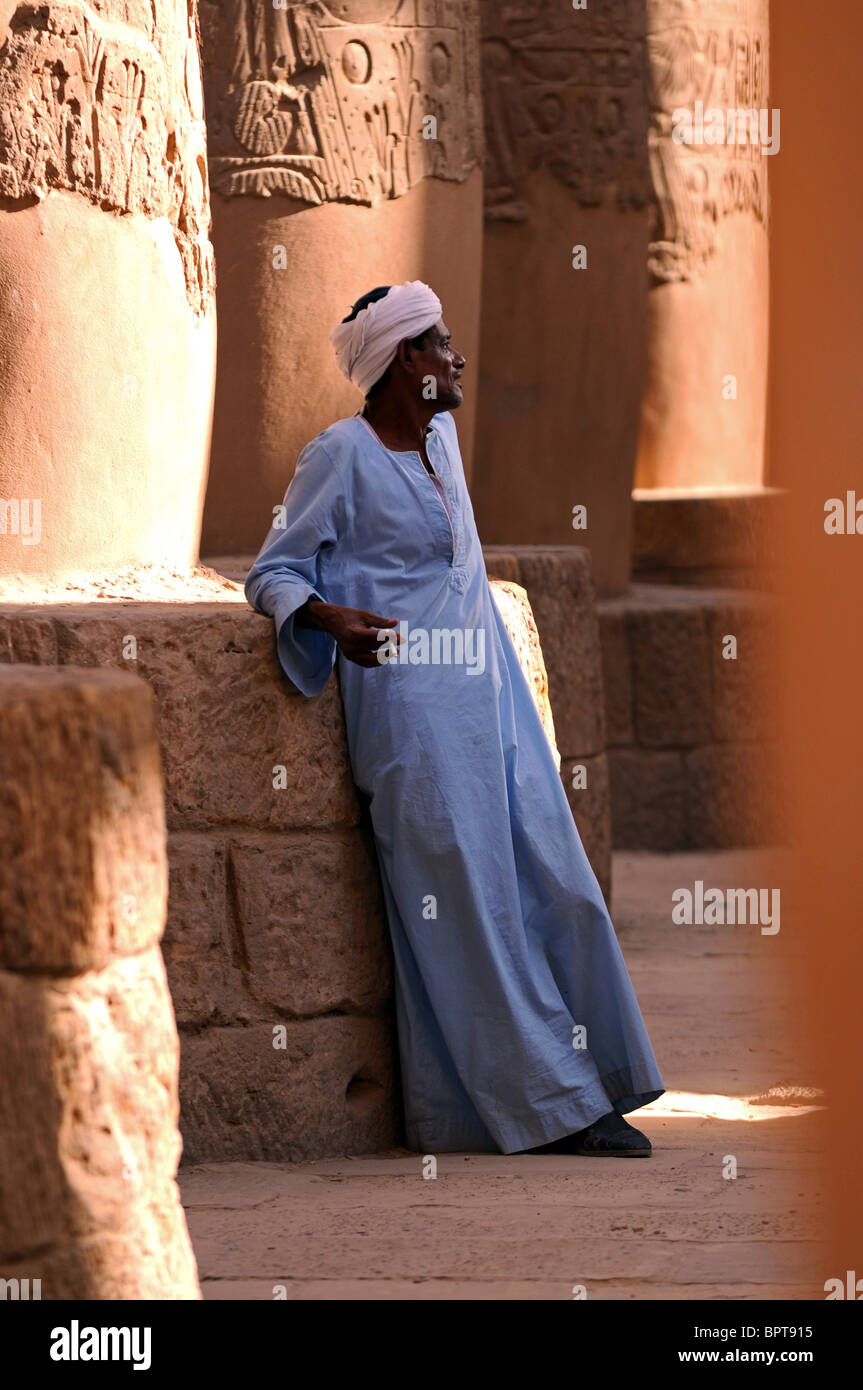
(504, 950)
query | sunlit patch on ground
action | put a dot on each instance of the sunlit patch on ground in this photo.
(798, 1101)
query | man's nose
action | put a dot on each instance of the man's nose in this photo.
(458, 360)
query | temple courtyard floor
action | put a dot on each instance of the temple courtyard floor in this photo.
(728, 1206)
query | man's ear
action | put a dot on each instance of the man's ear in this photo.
(405, 355)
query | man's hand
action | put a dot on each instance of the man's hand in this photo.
(355, 630)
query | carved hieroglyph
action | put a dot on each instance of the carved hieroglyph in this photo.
(716, 54)
(564, 91)
(106, 102)
(350, 101)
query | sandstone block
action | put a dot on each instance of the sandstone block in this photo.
(560, 589)
(745, 688)
(227, 715)
(704, 531)
(735, 795)
(648, 799)
(91, 1138)
(616, 672)
(500, 564)
(310, 918)
(203, 965)
(83, 876)
(88, 1109)
(672, 674)
(331, 1090)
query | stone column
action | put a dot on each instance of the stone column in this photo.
(563, 329)
(703, 418)
(344, 141)
(88, 1105)
(107, 329)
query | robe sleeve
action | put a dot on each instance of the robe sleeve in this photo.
(287, 570)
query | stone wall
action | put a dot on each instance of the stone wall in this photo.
(276, 943)
(693, 737)
(274, 917)
(88, 1107)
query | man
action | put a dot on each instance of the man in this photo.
(518, 1026)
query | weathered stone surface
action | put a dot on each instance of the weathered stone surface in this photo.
(205, 976)
(328, 186)
(746, 688)
(227, 715)
(648, 799)
(331, 1090)
(703, 531)
(229, 718)
(139, 1264)
(501, 564)
(717, 796)
(566, 177)
(88, 1110)
(326, 102)
(309, 923)
(514, 607)
(704, 412)
(734, 795)
(672, 665)
(30, 640)
(560, 589)
(591, 809)
(83, 875)
(89, 1114)
(104, 235)
(616, 672)
(663, 658)
(124, 126)
(722, 577)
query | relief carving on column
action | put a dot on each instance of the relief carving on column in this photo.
(564, 90)
(113, 111)
(327, 102)
(715, 53)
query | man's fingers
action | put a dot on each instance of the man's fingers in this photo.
(375, 620)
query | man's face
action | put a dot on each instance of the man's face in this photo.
(438, 368)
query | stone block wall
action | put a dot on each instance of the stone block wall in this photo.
(275, 919)
(719, 540)
(693, 737)
(276, 944)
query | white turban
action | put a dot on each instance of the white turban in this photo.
(366, 345)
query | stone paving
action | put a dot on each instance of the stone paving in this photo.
(721, 1015)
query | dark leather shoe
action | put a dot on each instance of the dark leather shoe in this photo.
(608, 1137)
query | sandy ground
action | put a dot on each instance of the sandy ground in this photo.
(722, 1020)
